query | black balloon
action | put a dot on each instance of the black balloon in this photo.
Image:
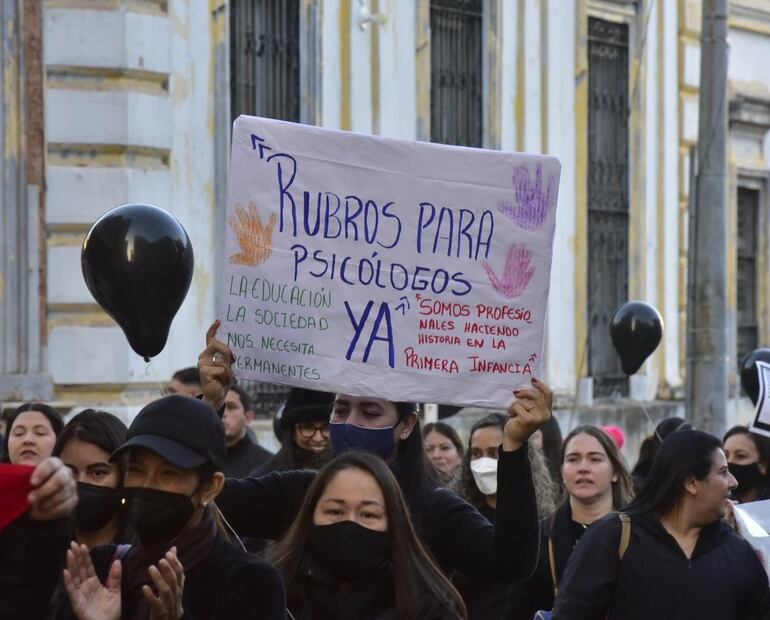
(749, 376)
(137, 261)
(636, 330)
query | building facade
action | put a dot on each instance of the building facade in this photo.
(117, 101)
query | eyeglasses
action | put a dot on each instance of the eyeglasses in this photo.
(308, 430)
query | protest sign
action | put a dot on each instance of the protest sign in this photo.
(761, 423)
(753, 523)
(382, 267)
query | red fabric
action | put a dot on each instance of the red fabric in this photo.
(14, 487)
(617, 434)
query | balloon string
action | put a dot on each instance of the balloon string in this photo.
(649, 419)
(150, 369)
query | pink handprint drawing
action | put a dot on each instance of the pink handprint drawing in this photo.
(516, 275)
(533, 198)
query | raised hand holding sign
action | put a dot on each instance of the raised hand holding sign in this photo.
(380, 267)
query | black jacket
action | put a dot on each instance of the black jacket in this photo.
(527, 597)
(454, 531)
(723, 580)
(484, 597)
(244, 457)
(318, 598)
(31, 558)
(229, 583)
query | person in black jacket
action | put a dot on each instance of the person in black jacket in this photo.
(32, 547)
(485, 598)
(683, 561)
(244, 454)
(457, 535)
(303, 428)
(181, 564)
(597, 482)
(352, 551)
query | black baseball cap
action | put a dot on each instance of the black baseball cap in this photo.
(184, 431)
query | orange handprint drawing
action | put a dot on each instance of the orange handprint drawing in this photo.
(255, 239)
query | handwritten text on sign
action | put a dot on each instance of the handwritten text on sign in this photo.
(382, 267)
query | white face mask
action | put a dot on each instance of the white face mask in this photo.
(484, 472)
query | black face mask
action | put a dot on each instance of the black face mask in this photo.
(347, 550)
(748, 476)
(157, 516)
(96, 506)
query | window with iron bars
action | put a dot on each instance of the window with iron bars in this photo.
(608, 198)
(456, 72)
(747, 328)
(264, 58)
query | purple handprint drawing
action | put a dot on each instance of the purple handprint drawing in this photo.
(516, 275)
(533, 198)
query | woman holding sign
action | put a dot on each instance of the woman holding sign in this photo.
(458, 536)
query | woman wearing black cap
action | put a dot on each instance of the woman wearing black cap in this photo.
(457, 535)
(180, 562)
(303, 429)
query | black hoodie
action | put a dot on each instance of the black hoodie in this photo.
(723, 580)
(458, 536)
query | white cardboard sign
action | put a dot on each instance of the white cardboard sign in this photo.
(372, 266)
(761, 423)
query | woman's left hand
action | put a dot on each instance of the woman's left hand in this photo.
(168, 577)
(530, 411)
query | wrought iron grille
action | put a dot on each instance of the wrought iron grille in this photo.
(266, 398)
(607, 198)
(264, 58)
(748, 252)
(456, 72)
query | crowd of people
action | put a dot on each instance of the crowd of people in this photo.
(365, 514)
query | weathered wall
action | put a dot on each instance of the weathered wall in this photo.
(137, 109)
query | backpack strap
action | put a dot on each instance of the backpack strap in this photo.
(625, 534)
(552, 562)
(625, 539)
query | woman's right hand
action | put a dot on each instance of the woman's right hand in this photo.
(89, 598)
(215, 368)
(168, 579)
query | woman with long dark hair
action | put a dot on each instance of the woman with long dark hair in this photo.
(477, 479)
(680, 559)
(352, 551)
(484, 598)
(31, 434)
(596, 482)
(456, 534)
(85, 446)
(549, 440)
(650, 445)
(748, 457)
